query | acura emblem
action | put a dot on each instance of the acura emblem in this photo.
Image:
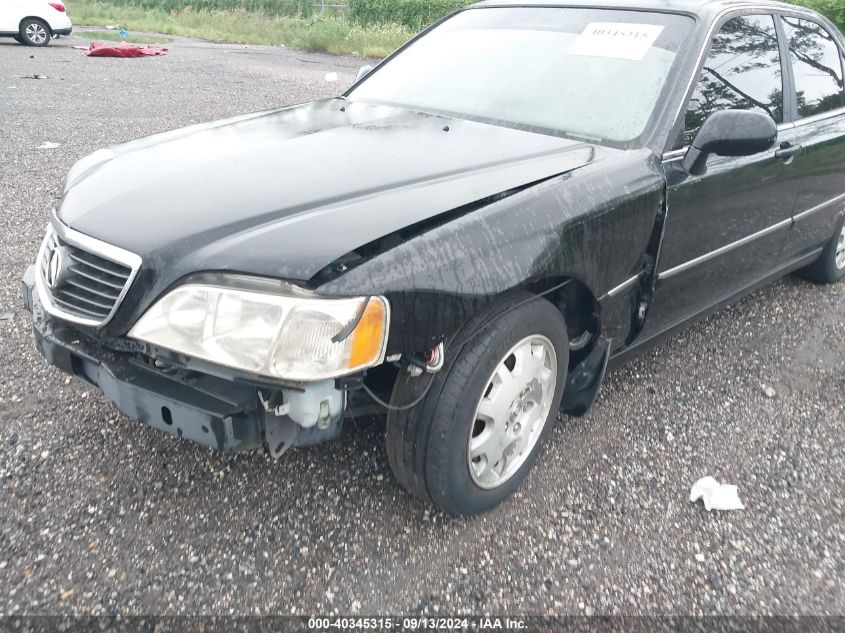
(54, 269)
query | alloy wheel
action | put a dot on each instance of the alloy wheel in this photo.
(840, 250)
(512, 412)
(36, 33)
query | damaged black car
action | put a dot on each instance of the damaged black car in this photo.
(465, 240)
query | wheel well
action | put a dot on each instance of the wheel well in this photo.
(574, 299)
(580, 309)
(34, 18)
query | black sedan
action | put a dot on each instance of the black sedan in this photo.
(466, 239)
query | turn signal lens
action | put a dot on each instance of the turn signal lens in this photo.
(368, 337)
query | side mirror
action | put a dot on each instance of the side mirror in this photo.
(730, 133)
(363, 72)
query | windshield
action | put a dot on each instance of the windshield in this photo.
(587, 73)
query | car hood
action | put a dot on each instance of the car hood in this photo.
(287, 192)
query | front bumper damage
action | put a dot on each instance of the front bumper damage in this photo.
(226, 415)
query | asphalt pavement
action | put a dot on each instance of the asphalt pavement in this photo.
(99, 515)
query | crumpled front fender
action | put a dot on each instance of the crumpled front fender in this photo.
(592, 225)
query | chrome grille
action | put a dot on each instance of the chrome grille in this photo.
(81, 279)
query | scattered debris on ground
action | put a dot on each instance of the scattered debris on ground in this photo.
(122, 49)
(715, 496)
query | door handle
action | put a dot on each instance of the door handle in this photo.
(788, 150)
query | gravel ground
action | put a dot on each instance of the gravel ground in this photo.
(99, 515)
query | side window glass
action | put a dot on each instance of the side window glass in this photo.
(742, 72)
(817, 65)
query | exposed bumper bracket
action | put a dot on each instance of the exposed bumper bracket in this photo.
(225, 415)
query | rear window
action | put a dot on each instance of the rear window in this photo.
(817, 65)
(586, 73)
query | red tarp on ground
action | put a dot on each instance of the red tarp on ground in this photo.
(123, 49)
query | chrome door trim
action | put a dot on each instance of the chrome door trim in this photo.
(675, 154)
(824, 116)
(724, 249)
(625, 285)
(819, 207)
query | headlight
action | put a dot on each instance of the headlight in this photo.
(269, 329)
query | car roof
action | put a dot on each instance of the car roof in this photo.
(703, 8)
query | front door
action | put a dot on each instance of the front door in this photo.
(726, 229)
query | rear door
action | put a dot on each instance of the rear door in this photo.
(816, 60)
(8, 11)
(10, 15)
(725, 230)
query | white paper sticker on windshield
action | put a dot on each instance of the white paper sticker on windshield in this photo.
(616, 39)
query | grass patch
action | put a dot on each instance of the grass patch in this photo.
(114, 36)
(325, 33)
(414, 14)
(301, 8)
(373, 28)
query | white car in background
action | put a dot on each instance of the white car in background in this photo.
(34, 22)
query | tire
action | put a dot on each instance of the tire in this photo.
(35, 32)
(829, 268)
(430, 447)
(18, 39)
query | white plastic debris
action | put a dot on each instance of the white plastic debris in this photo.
(49, 145)
(716, 496)
(331, 77)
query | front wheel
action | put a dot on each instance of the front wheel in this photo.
(35, 32)
(830, 266)
(481, 427)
